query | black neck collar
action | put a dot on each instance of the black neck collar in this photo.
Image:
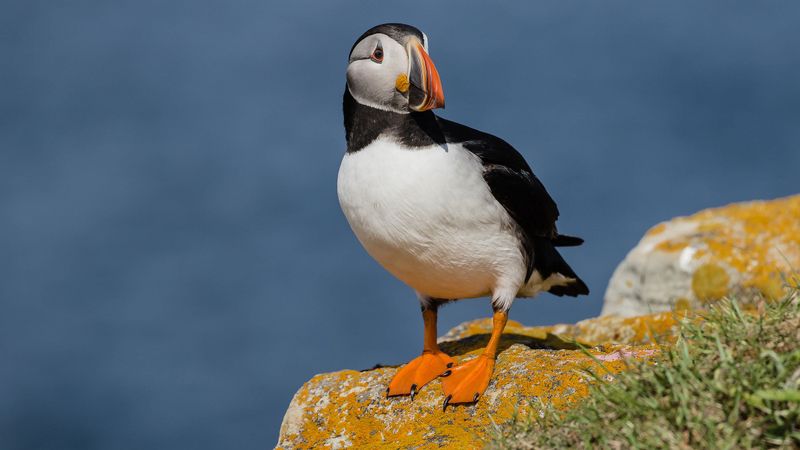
(363, 124)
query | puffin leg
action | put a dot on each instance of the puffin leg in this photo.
(410, 378)
(468, 381)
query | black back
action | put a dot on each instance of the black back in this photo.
(510, 178)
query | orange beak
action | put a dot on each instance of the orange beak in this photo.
(426, 87)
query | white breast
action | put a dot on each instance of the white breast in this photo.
(428, 217)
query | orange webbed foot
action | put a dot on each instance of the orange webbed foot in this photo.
(468, 381)
(419, 372)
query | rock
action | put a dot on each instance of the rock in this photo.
(652, 328)
(744, 249)
(535, 366)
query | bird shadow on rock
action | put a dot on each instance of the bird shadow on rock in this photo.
(468, 344)
(479, 341)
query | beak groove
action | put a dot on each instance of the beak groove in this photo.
(425, 85)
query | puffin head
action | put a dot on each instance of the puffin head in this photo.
(390, 69)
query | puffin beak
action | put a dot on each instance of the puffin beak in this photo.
(426, 87)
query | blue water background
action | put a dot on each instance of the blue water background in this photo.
(173, 260)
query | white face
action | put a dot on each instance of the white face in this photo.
(375, 64)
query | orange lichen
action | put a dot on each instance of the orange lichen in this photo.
(758, 240)
(741, 246)
(349, 408)
(596, 331)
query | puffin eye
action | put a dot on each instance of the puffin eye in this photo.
(377, 55)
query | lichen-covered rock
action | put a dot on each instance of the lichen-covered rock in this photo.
(599, 331)
(535, 366)
(744, 249)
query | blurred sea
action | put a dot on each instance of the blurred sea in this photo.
(174, 262)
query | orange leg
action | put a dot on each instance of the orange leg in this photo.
(424, 368)
(468, 381)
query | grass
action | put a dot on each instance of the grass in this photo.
(732, 380)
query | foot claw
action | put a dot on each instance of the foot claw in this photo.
(446, 402)
(387, 392)
(449, 365)
(468, 381)
(412, 377)
(446, 373)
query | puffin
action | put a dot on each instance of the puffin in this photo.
(453, 212)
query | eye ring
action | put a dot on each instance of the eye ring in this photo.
(377, 55)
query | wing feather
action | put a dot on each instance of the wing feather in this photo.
(522, 194)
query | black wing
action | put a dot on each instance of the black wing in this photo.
(514, 185)
(510, 179)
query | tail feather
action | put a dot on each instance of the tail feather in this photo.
(548, 261)
(562, 240)
(574, 289)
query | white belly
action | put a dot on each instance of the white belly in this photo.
(428, 217)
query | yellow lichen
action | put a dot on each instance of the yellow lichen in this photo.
(672, 246)
(658, 229)
(596, 331)
(758, 240)
(754, 241)
(682, 304)
(710, 282)
(349, 408)
(772, 287)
